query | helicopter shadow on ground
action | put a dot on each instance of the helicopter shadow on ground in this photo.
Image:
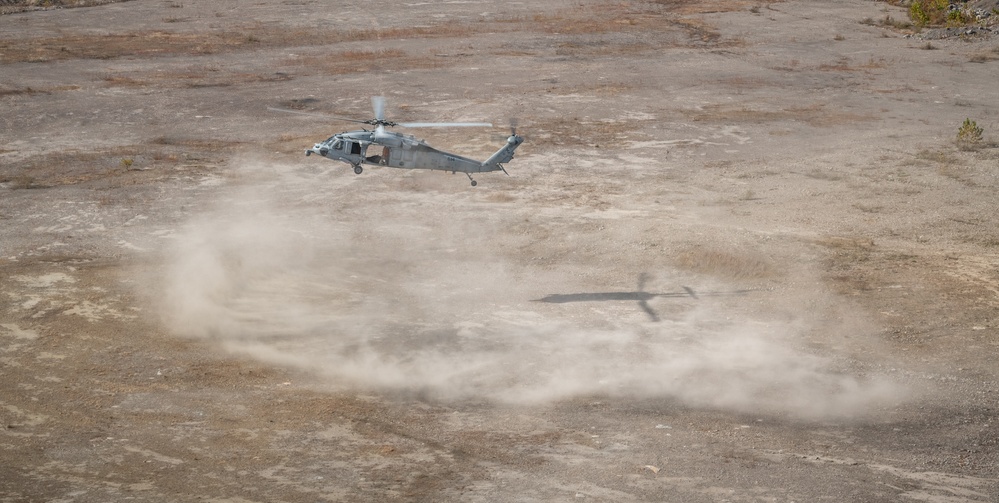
(641, 296)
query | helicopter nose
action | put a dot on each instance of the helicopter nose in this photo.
(324, 151)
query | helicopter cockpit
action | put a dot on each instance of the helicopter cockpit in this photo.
(348, 146)
(335, 144)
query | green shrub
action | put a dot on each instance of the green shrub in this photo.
(932, 12)
(969, 134)
(957, 18)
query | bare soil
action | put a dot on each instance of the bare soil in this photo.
(740, 256)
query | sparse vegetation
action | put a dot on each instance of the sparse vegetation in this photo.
(969, 135)
(923, 13)
(928, 12)
(957, 18)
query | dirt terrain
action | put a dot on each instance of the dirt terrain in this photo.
(739, 257)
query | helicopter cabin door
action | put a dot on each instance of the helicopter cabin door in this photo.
(351, 147)
(401, 158)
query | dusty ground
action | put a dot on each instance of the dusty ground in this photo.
(739, 257)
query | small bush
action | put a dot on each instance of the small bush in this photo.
(957, 18)
(932, 12)
(969, 134)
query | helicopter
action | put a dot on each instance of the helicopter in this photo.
(405, 151)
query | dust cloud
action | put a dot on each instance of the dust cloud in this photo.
(378, 298)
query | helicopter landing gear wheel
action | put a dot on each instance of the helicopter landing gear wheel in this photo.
(358, 170)
(474, 183)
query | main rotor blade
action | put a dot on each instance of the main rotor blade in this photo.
(445, 124)
(321, 116)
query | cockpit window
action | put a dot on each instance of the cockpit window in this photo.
(337, 145)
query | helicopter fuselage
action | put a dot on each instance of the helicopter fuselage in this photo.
(396, 150)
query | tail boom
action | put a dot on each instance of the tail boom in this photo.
(503, 155)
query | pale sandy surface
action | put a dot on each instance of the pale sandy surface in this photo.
(778, 275)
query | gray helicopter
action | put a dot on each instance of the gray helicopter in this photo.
(397, 150)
